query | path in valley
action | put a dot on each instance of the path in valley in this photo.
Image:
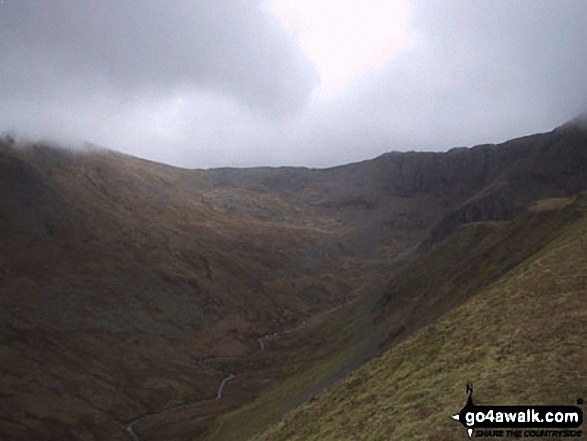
(227, 376)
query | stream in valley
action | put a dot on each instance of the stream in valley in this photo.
(129, 428)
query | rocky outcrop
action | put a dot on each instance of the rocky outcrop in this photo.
(411, 195)
(536, 167)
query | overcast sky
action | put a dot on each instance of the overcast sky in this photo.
(289, 82)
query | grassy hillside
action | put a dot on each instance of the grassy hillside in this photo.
(518, 340)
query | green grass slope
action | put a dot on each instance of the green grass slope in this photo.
(519, 340)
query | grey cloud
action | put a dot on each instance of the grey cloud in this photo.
(125, 47)
(482, 71)
(477, 72)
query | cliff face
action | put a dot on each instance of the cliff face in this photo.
(486, 182)
(521, 171)
(409, 196)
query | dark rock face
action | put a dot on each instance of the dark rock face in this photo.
(413, 195)
(536, 167)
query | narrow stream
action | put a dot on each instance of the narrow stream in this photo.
(227, 376)
(222, 384)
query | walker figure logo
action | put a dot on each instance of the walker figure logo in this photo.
(490, 421)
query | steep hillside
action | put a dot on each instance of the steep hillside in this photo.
(517, 341)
